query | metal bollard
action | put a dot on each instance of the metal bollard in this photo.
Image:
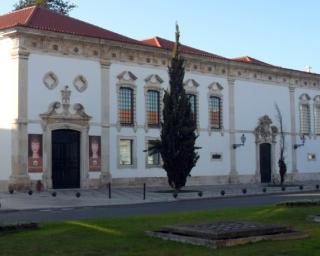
(109, 190)
(144, 191)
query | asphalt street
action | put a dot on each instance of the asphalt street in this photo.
(69, 213)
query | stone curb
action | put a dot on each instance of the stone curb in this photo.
(168, 200)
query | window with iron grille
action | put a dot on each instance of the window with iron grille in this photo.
(215, 112)
(305, 126)
(153, 107)
(193, 102)
(317, 119)
(126, 106)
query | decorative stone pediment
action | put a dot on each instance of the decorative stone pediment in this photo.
(304, 97)
(59, 112)
(80, 83)
(215, 87)
(126, 77)
(153, 80)
(265, 132)
(316, 99)
(191, 85)
(50, 80)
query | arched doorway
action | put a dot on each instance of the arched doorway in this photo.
(265, 162)
(265, 134)
(65, 159)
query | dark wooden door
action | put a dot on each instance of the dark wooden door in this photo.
(65, 159)
(265, 162)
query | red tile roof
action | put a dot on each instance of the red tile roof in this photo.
(44, 19)
(168, 45)
(249, 59)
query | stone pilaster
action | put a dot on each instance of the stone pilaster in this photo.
(293, 131)
(105, 176)
(19, 178)
(233, 174)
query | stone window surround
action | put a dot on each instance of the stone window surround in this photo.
(134, 152)
(126, 79)
(304, 99)
(316, 115)
(191, 88)
(215, 89)
(153, 82)
(149, 166)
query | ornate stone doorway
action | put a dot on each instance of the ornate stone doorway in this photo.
(65, 159)
(65, 130)
(265, 134)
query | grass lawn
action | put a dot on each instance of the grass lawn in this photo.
(125, 235)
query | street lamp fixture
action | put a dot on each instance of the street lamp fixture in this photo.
(243, 140)
(303, 140)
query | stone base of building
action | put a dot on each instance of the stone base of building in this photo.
(162, 181)
(4, 185)
(19, 183)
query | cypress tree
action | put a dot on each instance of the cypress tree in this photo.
(178, 136)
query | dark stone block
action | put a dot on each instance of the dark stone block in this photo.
(225, 233)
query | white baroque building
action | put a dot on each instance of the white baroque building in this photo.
(78, 105)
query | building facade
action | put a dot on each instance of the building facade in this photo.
(79, 104)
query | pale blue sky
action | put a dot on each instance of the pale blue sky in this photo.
(281, 32)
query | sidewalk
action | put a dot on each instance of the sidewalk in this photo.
(122, 196)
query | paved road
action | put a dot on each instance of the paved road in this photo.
(41, 215)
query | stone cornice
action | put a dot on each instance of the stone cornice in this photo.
(35, 40)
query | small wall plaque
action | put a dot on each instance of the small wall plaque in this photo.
(216, 156)
(311, 156)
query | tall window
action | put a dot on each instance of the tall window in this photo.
(125, 152)
(215, 112)
(193, 102)
(317, 119)
(305, 126)
(126, 106)
(153, 107)
(153, 160)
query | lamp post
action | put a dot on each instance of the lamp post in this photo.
(303, 140)
(243, 140)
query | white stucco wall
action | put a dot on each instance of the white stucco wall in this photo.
(66, 69)
(8, 106)
(252, 101)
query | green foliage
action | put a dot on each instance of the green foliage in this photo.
(178, 137)
(60, 6)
